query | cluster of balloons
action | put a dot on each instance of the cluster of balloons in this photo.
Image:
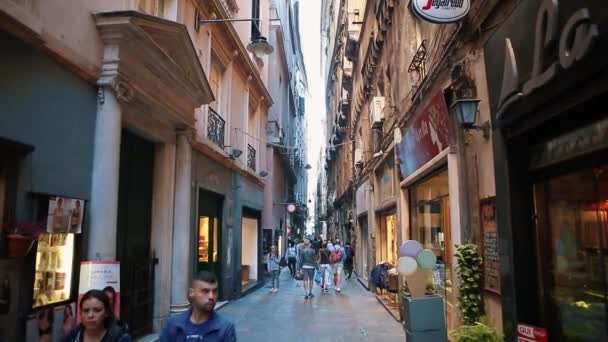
(412, 256)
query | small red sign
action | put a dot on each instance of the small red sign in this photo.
(529, 333)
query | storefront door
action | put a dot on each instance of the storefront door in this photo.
(133, 233)
(572, 239)
(430, 225)
(361, 257)
(209, 233)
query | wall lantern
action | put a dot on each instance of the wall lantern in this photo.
(466, 113)
(308, 167)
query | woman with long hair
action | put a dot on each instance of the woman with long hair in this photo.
(97, 322)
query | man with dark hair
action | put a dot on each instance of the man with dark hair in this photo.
(200, 322)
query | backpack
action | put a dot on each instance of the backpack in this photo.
(336, 256)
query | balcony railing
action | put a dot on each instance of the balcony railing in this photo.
(251, 157)
(216, 128)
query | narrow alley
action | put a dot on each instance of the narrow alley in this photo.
(351, 315)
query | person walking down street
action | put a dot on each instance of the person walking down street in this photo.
(349, 260)
(200, 322)
(324, 267)
(97, 321)
(291, 259)
(307, 262)
(274, 268)
(337, 263)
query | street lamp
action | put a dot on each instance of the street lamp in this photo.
(257, 45)
(466, 113)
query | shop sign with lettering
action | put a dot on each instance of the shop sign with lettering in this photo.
(427, 136)
(529, 333)
(441, 11)
(572, 43)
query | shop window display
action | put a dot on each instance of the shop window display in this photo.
(572, 233)
(430, 225)
(54, 263)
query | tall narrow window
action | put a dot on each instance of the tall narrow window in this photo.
(255, 14)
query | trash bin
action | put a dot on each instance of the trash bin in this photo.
(424, 319)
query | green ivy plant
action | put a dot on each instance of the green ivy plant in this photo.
(477, 332)
(469, 275)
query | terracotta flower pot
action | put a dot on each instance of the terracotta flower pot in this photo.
(19, 245)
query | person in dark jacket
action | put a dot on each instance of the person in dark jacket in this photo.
(200, 322)
(97, 321)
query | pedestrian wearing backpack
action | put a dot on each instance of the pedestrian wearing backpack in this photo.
(348, 261)
(337, 261)
(291, 259)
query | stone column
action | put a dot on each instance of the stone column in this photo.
(181, 262)
(104, 183)
(162, 229)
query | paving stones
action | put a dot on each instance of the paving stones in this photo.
(351, 315)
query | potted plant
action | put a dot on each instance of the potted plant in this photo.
(21, 237)
(473, 328)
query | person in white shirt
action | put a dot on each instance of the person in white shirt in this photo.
(291, 258)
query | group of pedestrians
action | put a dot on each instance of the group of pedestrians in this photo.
(321, 258)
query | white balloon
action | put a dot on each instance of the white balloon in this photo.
(407, 265)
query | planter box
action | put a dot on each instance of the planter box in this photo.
(19, 245)
(424, 318)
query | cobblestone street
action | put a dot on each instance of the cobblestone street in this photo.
(352, 315)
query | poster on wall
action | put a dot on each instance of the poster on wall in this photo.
(489, 242)
(65, 215)
(101, 275)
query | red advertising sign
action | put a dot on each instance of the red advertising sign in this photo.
(426, 137)
(529, 333)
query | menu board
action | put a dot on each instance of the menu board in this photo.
(491, 262)
(54, 261)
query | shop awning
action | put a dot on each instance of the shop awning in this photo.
(155, 70)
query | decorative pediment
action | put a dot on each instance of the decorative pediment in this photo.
(156, 64)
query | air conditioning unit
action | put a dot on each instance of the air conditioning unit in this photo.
(376, 111)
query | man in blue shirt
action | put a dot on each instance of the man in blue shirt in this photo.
(200, 322)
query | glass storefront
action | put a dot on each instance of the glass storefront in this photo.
(53, 276)
(572, 235)
(430, 225)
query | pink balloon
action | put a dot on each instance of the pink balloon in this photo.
(410, 248)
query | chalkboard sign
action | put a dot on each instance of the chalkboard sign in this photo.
(489, 244)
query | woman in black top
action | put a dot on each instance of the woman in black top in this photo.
(97, 321)
(324, 267)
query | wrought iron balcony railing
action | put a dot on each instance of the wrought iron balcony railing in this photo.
(251, 157)
(216, 128)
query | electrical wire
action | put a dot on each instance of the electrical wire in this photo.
(286, 146)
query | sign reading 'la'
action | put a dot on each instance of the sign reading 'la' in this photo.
(441, 11)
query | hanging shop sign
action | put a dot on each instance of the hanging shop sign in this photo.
(426, 137)
(291, 208)
(441, 11)
(529, 333)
